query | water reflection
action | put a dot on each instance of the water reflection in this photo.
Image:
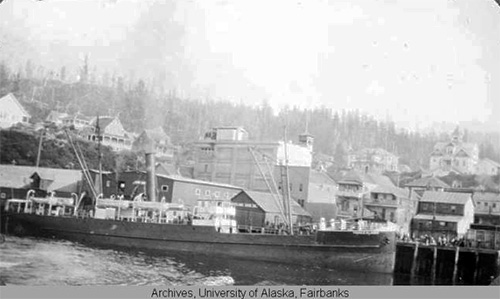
(29, 261)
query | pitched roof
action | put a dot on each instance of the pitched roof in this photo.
(320, 177)
(268, 203)
(445, 197)
(487, 160)
(14, 176)
(486, 196)
(367, 178)
(391, 190)
(428, 182)
(10, 97)
(104, 121)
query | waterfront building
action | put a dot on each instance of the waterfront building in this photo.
(391, 204)
(443, 213)
(12, 112)
(430, 183)
(454, 156)
(170, 188)
(60, 181)
(484, 236)
(353, 187)
(263, 209)
(321, 199)
(487, 208)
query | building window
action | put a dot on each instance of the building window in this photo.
(300, 187)
(391, 215)
(207, 192)
(485, 204)
(197, 191)
(216, 194)
(442, 223)
(3, 195)
(164, 188)
(226, 195)
(453, 209)
(108, 184)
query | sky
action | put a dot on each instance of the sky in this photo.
(415, 62)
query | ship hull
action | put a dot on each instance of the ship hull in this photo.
(362, 251)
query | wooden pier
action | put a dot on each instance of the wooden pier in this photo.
(447, 265)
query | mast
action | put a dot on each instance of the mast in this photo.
(98, 131)
(286, 188)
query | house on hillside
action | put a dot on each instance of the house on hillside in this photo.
(488, 167)
(162, 145)
(373, 160)
(56, 117)
(487, 208)
(443, 213)
(12, 112)
(454, 156)
(262, 209)
(112, 133)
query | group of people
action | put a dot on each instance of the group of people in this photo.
(430, 240)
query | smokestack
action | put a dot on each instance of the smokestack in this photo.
(145, 143)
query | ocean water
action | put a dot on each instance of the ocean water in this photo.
(48, 262)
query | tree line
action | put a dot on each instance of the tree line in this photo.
(140, 105)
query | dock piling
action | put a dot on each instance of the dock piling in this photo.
(455, 267)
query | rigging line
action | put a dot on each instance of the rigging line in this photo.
(285, 219)
(85, 173)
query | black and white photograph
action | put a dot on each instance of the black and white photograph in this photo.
(235, 143)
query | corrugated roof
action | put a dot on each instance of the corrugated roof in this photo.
(428, 182)
(445, 218)
(445, 197)
(268, 203)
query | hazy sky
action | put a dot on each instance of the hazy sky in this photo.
(416, 61)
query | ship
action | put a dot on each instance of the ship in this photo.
(209, 228)
(164, 227)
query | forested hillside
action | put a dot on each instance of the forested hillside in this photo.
(142, 105)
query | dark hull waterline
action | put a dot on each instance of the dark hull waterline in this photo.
(366, 252)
